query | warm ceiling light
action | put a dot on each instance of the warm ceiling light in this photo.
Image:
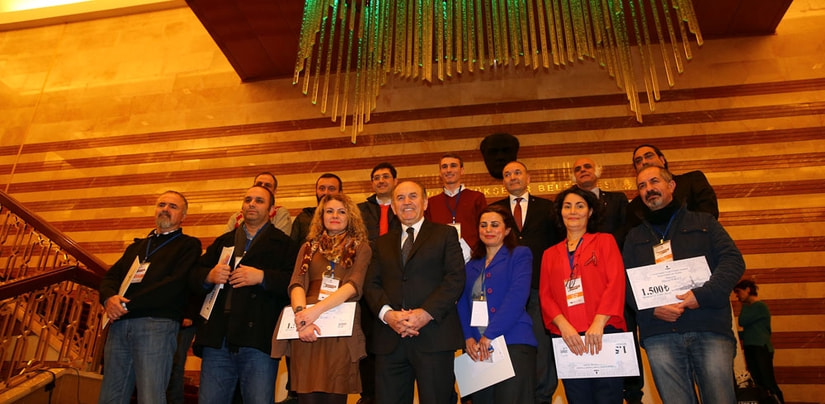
(19, 5)
(434, 39)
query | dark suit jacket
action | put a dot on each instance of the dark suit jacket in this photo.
(433, 280)
(371, 213)
(540, 230)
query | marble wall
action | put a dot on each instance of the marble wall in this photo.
(99, 117)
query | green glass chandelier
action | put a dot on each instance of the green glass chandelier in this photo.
(349, 48)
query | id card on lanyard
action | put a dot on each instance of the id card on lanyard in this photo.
(329, 284)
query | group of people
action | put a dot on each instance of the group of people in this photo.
(430, 276)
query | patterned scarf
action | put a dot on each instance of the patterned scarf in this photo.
(338, 249)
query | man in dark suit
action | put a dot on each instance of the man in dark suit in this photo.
(535, 228)
(378, 219)
(586, 174)
(376, 210)
(414, 280)
(692, 188)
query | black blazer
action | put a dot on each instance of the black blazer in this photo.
(371, 213)
(432, 279)
(540, 230)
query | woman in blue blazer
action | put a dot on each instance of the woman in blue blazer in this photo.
(498, 283)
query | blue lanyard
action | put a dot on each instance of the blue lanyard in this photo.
(667, 228)
(571, 257)
(452, 210)
(149, 243)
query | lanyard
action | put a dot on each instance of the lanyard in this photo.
(667, 228)
(149, 243)
(571, 257)
(452, 210)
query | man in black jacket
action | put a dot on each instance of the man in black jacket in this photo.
(693, 188)
(144, 294)
(326, 184)
(244, 274)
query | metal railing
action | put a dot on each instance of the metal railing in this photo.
(49, 310)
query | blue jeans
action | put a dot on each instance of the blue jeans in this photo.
(679, 360)
(221, 370)
(138, 352)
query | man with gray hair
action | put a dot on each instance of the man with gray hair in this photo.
(144, 294)
(690, 341)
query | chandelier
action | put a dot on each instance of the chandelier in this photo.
(348, 49)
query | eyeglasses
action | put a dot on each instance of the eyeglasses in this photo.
(381, 177)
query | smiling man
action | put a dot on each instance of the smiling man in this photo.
(376, 210)
(457, 206)
(690, 341)
(415, 278)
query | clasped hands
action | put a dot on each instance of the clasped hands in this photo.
(478, 351)
(242, 275)
(672, 312)
(407, 323)
(305, 324)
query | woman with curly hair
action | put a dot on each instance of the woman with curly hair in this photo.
(330, 270)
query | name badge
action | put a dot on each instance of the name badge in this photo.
(480, 316)
(662, 252)
(575, 292)
(328, 286)
(141, 271)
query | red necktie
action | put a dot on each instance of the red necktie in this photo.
(384, 223)
(517, 213)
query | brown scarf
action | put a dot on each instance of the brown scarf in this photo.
(338, 249)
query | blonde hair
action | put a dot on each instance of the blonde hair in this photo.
(355, 224)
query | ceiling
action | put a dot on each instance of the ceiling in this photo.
(260, 37)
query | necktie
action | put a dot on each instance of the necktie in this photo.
(408, 244)
(517, 214)
(383, 222)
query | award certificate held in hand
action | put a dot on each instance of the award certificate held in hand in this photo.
(658, 284)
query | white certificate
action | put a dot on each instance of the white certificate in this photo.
(658, 284)
(212, 296)
(616, 359)
(335, 322)
(473, 376)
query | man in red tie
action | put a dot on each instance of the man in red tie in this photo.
(378, 218)
(536, 229)
(376, 211)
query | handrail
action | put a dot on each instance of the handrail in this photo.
(49, 303)
(91, 262)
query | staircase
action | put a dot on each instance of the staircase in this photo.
(50, 317)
